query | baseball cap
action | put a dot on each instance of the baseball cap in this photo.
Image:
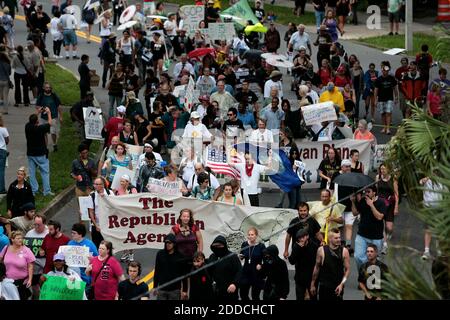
(195, 115)
(121, 109)
(59, 256)
(346, 162)
(126, 177)
(28, 206)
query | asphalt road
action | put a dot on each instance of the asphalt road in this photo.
(409, 231)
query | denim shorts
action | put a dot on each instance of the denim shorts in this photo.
(386, 107)
(70, 37)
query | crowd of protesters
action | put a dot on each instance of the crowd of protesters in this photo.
(241, 99)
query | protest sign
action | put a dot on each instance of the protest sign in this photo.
(189, 97)
(164, 187)
(134, 152)
(178, 89)
(318, 113)
(143, 220)
(380, 155)
(221, 31)
(76, 256)
(192, 16)
(34, 244)
(93, 123)
(84, 203)
(61, 288)
(119, 173)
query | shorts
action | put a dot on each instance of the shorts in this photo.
(386, 107)
(55, 128)
(349, 218)
(394, 16)
(70, 37)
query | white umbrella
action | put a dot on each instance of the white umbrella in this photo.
(127, 25)
(91, 4)
(280, 62)
(229, 16)
(157, 17)
(271, 55)
(128, 14)
(100, 17)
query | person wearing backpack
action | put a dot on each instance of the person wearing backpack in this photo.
(100, 191)
(424, 62)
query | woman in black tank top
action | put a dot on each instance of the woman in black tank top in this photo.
(356, 165)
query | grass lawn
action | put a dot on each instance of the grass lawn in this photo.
(387, 42)
(284, 15)
(66, 86)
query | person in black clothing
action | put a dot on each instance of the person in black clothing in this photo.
(293, 120)
(200, 283)
(129, 289)
(371, 273)
(182, 43)
(259, 12)
(37, 151)
(167, 98)
(76, 114)
(39, 20)
(85, 76)
(331, 270)
(246, 95)
(329, 168)
(225, 272)
(232, 125)
(324, 41)
(274, 269)
(107, 57)
(371, 225)
(169, 265)
(84, 171)
(211, 13)
(303, 221)
(19, 193)
(303, 256)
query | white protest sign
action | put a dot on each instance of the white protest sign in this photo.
(221, 31)
(75, 256)
(143, 220)
(318, 113)
(164, 187)
(192, 16)
(380, 155)
(93, 123)
(84, 203)
(119, 173)
(189, 93)
(178, 89)
(134, 152)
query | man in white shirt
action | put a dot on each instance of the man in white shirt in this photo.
(250, 172)
(69, 24)
(261, 136)
(300, 39)
(192, 182)
(274, 81)
(182, 65)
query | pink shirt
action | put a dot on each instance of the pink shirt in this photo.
(435, 102)
(108, 281)
(17, 263)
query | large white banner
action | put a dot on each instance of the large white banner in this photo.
(192, 15)
(143, 220)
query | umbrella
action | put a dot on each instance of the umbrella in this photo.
(100, 17)
(271, 55)
(255, 28)
(280, 62)
(91, 4)
(200, 52)
(252, 54)
(127, 25)
(353, 179)
(127, 14)
(157, 17)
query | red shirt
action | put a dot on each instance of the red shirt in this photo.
(435, 102)
(107, 282)
(113, 127)
(51, 245)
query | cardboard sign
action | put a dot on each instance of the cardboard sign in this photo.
(93, 123)
(34, 244)
(84, 203)
(380, 155)
(318, 113)
(61, 288)
(76, 256)
(192, 16)
(221, 31)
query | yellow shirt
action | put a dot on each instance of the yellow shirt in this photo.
(317, 211)
(335, 96)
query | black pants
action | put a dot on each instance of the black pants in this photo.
(18, 79)
(300, 290)
(117, 13)
(245, 289)
(57, 47)
(24, 292)
(254, 200)
(300, 4)
(83, 90)
(96, 237)
(328, 294)
(107, 66)
(40, 83)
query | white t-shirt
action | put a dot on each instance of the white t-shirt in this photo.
(127, 47)
(192, 182)
(268, 86)
(259, 137)
(54, 29)
(96, 210)
(433, 194)
(68, 21)
(197, 131)
(188, 169)
(250, 184)
(3, 134)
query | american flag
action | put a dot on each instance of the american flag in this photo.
(216, 159)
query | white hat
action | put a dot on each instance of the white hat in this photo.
(346, 162)
(121, 109)
(195, 115)
(126, 177)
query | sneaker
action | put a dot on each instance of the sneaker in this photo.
(385, 248)
(26, 105)
(67, 57)
(426, 255)
(76, 57)
(391, 34)
(33, 101)
(49, 194)
(61, 56)
(396, 33)
(125, 256)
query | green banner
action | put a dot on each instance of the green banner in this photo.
(242, 11)
(61, 288)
